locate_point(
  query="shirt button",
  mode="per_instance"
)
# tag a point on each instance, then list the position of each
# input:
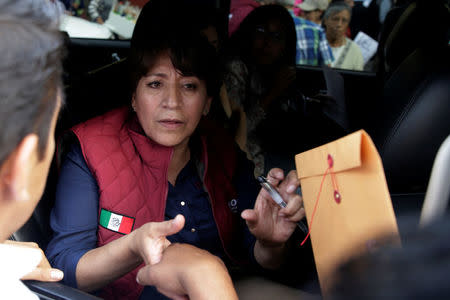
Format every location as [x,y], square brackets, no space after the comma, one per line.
[192,229]
[183,203]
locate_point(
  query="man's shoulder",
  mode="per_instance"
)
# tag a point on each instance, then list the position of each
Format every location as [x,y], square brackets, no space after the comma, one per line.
[301,23]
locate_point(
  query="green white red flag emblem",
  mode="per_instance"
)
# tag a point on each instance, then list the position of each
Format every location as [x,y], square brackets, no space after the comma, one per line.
[116,222]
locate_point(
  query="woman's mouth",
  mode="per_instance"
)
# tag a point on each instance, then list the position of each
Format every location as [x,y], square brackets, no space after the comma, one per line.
[171,123]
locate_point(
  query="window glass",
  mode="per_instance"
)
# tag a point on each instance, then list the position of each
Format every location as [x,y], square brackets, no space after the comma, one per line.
[339,33]
[100,19]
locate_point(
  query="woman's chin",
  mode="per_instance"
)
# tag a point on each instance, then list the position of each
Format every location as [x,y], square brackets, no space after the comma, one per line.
[171,142]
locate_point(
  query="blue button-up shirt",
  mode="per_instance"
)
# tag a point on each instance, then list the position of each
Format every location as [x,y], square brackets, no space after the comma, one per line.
[74,218]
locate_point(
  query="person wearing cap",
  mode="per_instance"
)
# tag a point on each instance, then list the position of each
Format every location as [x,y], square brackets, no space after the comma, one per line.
[239,9]
[312,10]
[312,45]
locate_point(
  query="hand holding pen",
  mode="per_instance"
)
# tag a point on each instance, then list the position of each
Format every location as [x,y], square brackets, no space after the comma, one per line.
[267,222]
[279,200]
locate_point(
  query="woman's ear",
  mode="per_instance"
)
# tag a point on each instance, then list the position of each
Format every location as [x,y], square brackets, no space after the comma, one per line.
[16,171]
[207,106]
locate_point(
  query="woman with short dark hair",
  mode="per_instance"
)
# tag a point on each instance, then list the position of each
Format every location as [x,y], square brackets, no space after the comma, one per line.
[157,159]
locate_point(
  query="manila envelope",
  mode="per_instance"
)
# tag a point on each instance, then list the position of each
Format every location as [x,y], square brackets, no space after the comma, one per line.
[350,225]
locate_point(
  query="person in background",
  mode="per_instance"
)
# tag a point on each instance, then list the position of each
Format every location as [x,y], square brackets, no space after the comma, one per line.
[158,163]
[99,10]
[346,53]
[224,111]
[75,8]
[30,91]
[260,68]
[312,44]
[312,10]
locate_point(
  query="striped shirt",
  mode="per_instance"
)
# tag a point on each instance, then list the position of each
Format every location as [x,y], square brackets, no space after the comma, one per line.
[312,45]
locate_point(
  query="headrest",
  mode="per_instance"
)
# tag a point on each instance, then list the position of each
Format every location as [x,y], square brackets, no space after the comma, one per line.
[413,118]
[423,24]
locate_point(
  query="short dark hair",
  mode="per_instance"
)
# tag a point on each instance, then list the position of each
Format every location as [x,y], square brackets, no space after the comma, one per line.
[337,7]
[240,41]
[160,29]
[30,71]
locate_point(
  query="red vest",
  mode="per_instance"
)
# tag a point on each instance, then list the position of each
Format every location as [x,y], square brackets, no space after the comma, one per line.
[131,172]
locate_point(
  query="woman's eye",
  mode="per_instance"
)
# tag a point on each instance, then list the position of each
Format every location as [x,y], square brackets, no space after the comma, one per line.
[154,84]
[190,86]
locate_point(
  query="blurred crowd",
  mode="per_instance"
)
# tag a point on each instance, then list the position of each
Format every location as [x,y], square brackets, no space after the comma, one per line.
[98,10]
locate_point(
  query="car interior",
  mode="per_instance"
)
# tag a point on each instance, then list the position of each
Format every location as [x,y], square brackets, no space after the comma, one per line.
[403,105]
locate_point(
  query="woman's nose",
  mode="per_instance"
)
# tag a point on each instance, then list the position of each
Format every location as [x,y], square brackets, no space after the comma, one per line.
[172,97]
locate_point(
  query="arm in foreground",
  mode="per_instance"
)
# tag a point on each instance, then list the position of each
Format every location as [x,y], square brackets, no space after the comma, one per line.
[102,265]
[187,272]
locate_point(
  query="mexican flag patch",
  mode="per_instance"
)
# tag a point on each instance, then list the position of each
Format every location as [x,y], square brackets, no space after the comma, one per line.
[116,222]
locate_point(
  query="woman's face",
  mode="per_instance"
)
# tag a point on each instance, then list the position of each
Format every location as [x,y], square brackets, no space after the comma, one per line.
[170,105]
[336,24]
[269,43]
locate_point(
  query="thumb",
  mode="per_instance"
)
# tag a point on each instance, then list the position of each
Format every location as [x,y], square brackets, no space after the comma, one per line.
[169,227]
[157,243]
[250,216]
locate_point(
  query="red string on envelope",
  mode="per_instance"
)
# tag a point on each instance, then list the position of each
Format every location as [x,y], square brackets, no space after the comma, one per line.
[337,195]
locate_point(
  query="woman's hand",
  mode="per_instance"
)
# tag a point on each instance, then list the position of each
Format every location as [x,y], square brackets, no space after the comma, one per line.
[187,272]
[102,265]
[269,223]
[149,241]
[43,271]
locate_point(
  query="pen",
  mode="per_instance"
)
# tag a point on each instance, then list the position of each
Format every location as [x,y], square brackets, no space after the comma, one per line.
[278,199]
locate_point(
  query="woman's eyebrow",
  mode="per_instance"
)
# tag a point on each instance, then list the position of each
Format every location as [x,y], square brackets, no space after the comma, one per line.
[157,75]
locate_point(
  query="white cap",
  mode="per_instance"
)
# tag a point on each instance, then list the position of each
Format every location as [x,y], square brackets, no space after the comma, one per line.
[310,5]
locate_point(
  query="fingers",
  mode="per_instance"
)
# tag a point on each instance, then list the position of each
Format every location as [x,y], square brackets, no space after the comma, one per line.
[294,211]
[44,274]
[286,185]
[151,275]
[274,176]
[290,184]
[145,276]
[44,261]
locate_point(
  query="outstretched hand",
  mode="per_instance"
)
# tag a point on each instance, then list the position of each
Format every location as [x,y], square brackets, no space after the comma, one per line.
[187,272]
[43,271]
[268,222]
[149,241]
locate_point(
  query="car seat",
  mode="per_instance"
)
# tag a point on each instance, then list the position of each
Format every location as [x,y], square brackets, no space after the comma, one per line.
[411,119]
